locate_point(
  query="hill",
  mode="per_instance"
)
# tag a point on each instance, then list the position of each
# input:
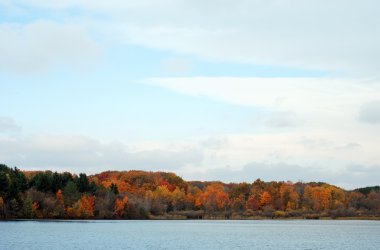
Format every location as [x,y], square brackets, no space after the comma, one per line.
[142,195]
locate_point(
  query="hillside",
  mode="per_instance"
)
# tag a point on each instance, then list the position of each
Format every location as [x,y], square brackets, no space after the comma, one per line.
[142,195]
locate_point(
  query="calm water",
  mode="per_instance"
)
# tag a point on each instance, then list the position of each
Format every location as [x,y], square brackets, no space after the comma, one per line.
[294,234]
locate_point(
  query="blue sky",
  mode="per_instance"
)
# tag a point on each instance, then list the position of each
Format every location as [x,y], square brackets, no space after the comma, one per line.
[236,93]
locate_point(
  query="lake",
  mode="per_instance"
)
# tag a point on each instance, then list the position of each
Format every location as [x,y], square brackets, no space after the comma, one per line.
[190,234]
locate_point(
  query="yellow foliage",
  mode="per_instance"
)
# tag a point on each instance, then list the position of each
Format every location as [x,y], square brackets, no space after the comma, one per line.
[265,199]
[120,206]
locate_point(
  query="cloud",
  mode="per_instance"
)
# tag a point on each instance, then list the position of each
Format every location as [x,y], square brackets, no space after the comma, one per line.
[7,124]
[177,66]
[315,143]
[42,45]
[229,158]
[266,33]
[215,142]
[327,35]
[320,113]
[364,170]
[282,120]
[310,102]
[348,146]
[350,177]
[268,172]
[273,92]
[318,117]
[79,153]
[370,112]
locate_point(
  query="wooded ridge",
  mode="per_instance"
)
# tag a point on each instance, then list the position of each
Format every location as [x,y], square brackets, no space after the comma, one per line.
[153,195]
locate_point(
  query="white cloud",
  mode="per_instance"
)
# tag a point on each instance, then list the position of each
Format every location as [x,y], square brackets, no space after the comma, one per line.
[7,124]
[79,153]
[235,157]
[318,116]
[322,102]
[328,138]
[284,119]
[290,148]
[216,142]
[350,177]
[329,35]
[370,112]
[350,145]
[176,65]
[41,45]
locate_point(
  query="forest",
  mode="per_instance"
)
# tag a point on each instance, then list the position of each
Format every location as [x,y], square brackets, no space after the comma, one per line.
[159,195]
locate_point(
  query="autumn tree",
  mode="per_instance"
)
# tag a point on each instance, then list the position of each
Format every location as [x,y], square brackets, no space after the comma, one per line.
[193,199]
[59,196]
[215,198]
[1,206]
[178,199]
[238,203]
[253,203]
[161,200]
[240,190]
[289,196]
[104,204]
[265,199]
[85,207]
[258,187]
[120,206]
[139,194]
[355,199]
[338,198]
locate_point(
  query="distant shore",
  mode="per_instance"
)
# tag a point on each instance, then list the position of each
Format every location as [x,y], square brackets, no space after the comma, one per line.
[372,218]
[137,194]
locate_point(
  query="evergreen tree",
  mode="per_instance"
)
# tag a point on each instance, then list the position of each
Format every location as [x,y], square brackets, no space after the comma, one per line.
[82,183]
[4,184]
[71,194]
[114,189]
[56,182]
[42,182]
[21,179]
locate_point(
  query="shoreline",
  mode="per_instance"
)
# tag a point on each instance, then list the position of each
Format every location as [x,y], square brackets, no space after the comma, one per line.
[364,218]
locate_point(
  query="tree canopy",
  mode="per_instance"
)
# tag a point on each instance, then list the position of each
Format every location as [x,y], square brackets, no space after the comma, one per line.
[142,195]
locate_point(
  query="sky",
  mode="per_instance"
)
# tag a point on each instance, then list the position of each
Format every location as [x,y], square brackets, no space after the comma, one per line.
[210,90]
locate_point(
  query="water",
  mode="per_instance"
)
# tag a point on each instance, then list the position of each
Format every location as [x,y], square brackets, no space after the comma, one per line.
[267,234]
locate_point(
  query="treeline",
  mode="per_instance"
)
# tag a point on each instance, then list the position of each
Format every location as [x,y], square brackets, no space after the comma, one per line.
[144,195]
